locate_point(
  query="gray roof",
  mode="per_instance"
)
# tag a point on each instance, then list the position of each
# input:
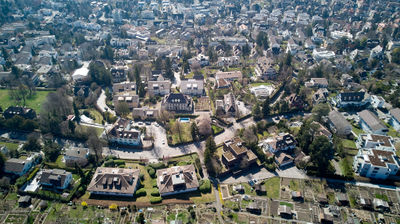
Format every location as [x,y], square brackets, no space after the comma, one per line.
[371,120]
[338,120]
[55,177]
[14,165]
[77,152]
[395,113]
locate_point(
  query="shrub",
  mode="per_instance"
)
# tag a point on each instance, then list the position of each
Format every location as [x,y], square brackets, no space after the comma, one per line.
[32,175]
[205,186]
[109,163]
[141,176]
[119,162]
[84,204]
[151,172]
[154,183]
[141,192]
[113,207]
[155,200]
[157,166]
[121,166]
[20,181]
[155,192]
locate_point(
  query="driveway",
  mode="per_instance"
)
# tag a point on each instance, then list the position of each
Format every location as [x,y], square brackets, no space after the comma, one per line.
[101,102]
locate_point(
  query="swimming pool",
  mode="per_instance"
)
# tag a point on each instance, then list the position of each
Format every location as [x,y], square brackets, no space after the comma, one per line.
[184,119]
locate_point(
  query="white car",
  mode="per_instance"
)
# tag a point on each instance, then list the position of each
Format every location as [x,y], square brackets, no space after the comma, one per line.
[163,141]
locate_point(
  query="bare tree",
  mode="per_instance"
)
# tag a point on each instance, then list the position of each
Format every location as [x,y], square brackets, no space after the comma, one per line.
[164,116]
[178,129]
[122,109]
[95,144]
[205,126]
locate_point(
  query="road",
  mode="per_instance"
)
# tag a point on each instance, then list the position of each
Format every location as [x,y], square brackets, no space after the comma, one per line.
[101,102]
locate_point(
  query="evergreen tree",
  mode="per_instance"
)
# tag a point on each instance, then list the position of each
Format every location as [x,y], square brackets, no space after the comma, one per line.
[266,108]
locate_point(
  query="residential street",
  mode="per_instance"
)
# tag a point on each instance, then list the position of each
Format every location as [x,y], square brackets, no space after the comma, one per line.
[101,102]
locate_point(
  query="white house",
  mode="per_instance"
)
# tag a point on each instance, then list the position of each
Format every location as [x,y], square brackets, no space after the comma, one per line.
[377,164]
[124,133]
[395,119]
[370,123]
[192,87]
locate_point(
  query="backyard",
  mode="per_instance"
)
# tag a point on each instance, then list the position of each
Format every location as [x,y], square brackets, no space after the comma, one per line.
[34,102]
[273,187]
[179,132]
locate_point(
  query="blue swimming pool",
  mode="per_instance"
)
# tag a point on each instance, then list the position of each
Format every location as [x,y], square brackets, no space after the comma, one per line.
[184,119]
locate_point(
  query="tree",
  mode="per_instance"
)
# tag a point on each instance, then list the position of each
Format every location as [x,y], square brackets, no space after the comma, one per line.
[122,109]
[51,150]
[32,144]
[320,110]
[178,129]
[140,218]
[396,55]
[164,116]
[250,135]
[321,152]
[108,53]
[266,108]
[95,145]
[210,144]
[2,161]
[246,50]
[194,130]
[257,114]
[99,74]
[76,112]
[205,126]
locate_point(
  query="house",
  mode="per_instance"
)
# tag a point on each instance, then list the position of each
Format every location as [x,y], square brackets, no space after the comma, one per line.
[124,133]
[124,87]
[341,199]
[395,119]
[372,141]
[192,87]
[24,201]
[20,167]
[260,189]
[283,160]
[285,211]
[317,82]
[222,84]
[320,96]
[321,54]
[229,104]
[376,164]
[338,123]
[114,181]
[229,76]
[297,196]
[254,207]
[129,97]
[24,112]
[377,102]
[236,155]
[350,99]
[177,180]
[370,123]
[160,87]
[366,203]
[262,91]
[281,142]
[55,179]
[77,156]
[228,61]
[322,130]
[145,113]
[200,59]
[294,101]
[264,69]
[238,188]
[178,102]
[381,205]
[292,47]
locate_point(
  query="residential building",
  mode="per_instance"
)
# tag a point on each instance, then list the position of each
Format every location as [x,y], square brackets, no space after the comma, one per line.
[262,91]
[317,82]
[124,87]
[236,155]
[228,61]
[192,87]
[372,141]
[284,160]
[350,99]
[377,101]
[200,59]
[320,54]
[279,143]
[322,130]
[55,179]
[145,113]
[20,167]
[228,106]
[124,133]
[338,123]
[24,112]
[264,69]
[370,123]
[292,47]
[178,102]
[129,97]
[374,163]
[160,87]
[229,76]
[395,119]
[114,181]
[320,96]
[77,156]
[177,180]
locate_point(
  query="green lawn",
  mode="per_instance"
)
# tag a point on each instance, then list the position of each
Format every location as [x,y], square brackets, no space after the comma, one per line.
[349,144]
[273,187]
[216,129]
[357,131]
[260,83]
[83,129]
[98,118]
[294,185]
[9,145]
[382,197]
[346,166]
[182,136]
[35,102]
[287,204]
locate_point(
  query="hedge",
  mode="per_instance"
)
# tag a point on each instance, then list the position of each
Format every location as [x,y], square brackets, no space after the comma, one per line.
[141,192]
[155,192]
[119,162]
[151,172]
[157,166]
[155,200]
[32,175]
[205,186]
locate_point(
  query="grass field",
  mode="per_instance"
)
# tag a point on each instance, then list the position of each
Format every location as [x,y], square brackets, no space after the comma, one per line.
[260,83]
[349,144]
[357,131]
[185,136]
[273,187]
[9,145]
[216,129]
[35,102]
